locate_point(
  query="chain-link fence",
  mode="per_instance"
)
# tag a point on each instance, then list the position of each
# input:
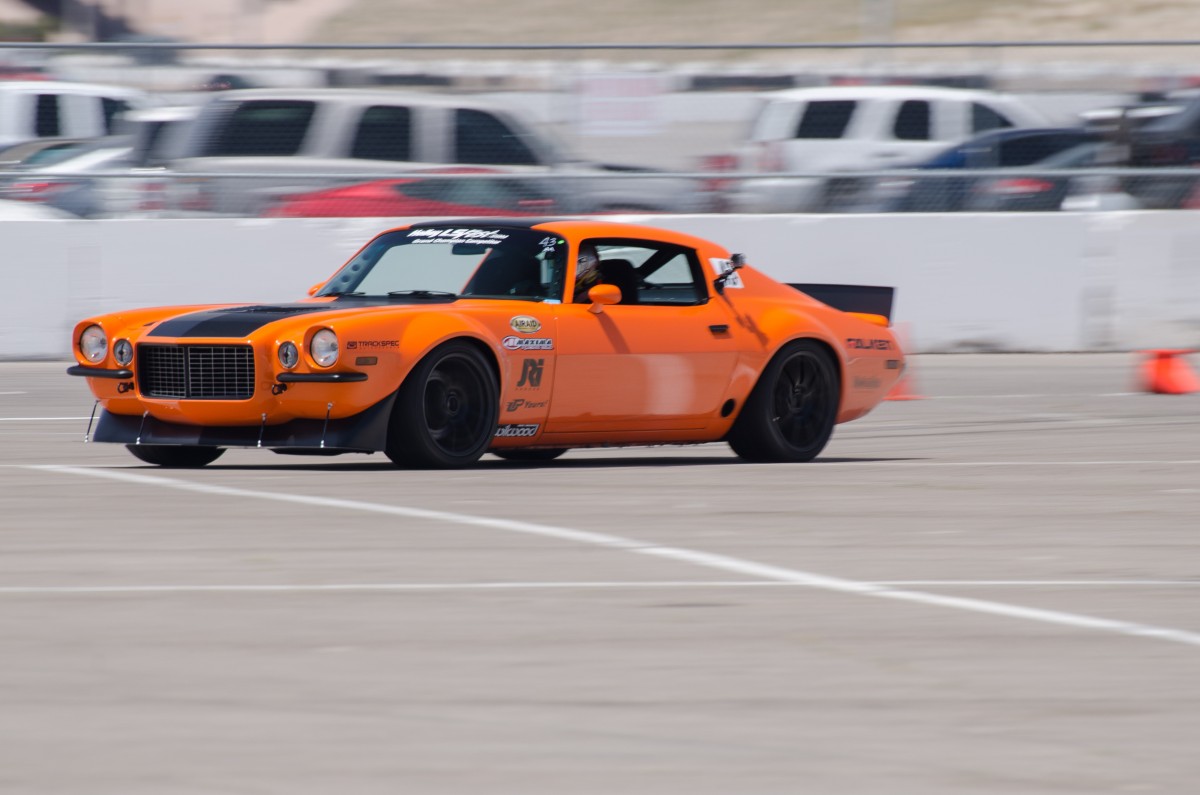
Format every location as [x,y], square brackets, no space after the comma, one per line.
[168,129]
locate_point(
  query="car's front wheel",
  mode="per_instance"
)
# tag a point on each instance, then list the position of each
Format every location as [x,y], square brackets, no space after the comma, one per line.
[791,412]
[446,410]
[175,456]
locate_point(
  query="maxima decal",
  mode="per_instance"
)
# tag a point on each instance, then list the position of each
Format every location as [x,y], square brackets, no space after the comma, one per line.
[524,324]
[510,431]
[528,344]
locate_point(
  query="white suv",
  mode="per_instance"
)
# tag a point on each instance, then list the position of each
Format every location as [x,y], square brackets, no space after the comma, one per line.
[857,128]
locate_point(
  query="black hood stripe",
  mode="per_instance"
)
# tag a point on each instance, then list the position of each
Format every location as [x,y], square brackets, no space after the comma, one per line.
[233,322]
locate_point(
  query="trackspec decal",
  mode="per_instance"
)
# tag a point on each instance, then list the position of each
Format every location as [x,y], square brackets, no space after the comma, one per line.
[352,344]
[867,382]
[528,343]
[524,324]
[522,403]
[871,345]
[531,373]
[512,431]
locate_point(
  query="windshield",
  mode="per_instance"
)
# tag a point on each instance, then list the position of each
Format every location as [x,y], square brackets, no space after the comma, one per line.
[476,261]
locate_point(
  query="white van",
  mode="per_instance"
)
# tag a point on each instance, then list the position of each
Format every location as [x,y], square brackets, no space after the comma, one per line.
[34,109]
[836,129]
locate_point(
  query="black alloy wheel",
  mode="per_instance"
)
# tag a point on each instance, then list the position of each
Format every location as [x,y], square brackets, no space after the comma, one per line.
[446,410]
[790,415]
[175,456]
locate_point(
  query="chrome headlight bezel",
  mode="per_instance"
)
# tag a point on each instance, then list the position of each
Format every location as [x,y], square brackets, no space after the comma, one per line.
[123,352]
[93,344]
[288,355]
[323,348]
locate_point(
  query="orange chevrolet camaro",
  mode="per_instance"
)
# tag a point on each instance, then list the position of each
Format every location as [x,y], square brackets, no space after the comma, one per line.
[441,341]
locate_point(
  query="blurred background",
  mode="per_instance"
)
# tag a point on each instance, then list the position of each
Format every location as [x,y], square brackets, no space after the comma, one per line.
[375,108]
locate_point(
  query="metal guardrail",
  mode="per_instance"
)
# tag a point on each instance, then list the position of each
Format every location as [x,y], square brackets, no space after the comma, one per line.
[362,176]
[514,46]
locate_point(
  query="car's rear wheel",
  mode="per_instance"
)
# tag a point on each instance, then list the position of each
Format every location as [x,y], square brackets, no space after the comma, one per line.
[791,412]
[543,454]
[175,456]
[446,410]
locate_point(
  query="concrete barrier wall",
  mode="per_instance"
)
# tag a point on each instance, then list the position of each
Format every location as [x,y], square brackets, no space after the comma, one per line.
[996,282]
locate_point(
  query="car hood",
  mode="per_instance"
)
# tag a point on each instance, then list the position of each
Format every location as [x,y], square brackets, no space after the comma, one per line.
[241,321]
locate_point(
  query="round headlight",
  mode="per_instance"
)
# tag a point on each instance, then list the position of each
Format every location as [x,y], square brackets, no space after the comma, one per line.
[289,355]
[93,344]
[324,348]
[123,352]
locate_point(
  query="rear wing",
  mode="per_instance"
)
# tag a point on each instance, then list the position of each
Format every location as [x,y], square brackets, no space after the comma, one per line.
[859,299]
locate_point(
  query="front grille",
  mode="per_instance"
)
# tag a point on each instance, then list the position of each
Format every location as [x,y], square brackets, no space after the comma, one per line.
[196,372]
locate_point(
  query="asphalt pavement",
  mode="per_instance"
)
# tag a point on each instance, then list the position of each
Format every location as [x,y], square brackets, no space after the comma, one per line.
[993,589]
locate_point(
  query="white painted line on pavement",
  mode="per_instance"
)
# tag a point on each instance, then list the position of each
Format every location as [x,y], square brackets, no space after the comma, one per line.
[698,558]
[39,419]
[398,587]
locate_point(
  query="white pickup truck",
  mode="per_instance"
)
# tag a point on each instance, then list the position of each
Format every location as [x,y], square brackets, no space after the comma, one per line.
[838,129]
[269,141]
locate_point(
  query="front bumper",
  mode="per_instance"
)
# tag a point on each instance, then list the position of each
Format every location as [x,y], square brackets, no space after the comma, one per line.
[364,432]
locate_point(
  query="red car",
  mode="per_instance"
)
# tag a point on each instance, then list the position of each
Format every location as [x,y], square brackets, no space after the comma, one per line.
[448,194]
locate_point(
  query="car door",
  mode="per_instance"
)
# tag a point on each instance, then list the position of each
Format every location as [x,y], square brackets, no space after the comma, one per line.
[660,360]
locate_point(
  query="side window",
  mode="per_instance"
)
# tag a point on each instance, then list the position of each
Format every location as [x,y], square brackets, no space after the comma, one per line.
[481,138]
[984,118]
[384,133]
[912,121]
[825,119]
[112,108]
[272,128]
[46,123]
[651,275]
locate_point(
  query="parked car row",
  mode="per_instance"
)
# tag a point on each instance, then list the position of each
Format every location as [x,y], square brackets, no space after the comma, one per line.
[342,152]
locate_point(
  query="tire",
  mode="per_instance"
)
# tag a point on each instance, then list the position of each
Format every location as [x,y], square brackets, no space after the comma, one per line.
[790,415]
[544,454]
[446,410]
[175,457]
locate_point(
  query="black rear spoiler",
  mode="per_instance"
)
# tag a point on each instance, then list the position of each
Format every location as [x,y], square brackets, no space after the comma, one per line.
[852,297]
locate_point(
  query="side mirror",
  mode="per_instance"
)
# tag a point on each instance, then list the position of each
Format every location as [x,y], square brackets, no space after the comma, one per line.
[313,290]
[736,261]
[603,295]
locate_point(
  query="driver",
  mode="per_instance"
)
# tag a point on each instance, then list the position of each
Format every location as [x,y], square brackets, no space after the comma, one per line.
[587,271]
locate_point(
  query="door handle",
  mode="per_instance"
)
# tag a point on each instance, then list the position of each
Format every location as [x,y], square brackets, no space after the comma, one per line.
[719,328]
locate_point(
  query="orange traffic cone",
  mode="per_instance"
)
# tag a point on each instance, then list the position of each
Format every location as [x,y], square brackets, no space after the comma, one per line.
[905,388]
[1165,373]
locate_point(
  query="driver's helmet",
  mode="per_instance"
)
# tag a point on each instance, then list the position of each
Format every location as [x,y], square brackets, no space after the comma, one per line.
[587,270]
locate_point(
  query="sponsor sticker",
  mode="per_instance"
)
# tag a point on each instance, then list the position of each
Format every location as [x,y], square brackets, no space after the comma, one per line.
[516,431]
[868,345]
[524,324]
[528,343]
[483,237]
[867,382]
[354,344]
[531,373]
[721,266]
[522,403]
